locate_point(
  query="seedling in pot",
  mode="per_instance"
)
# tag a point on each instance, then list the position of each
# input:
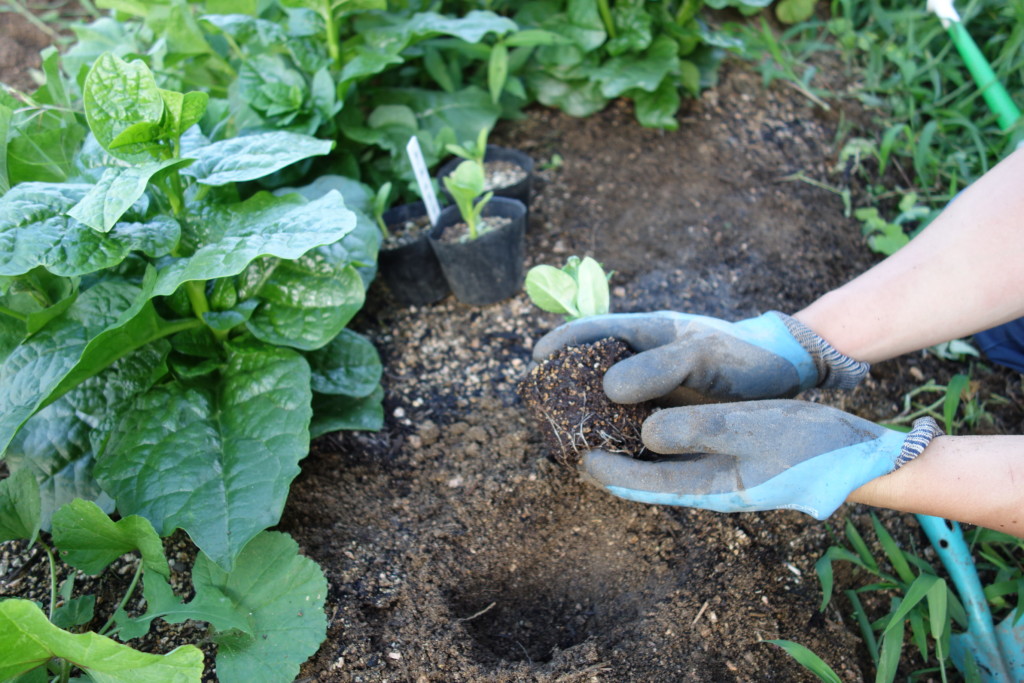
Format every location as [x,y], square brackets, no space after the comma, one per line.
[380,205]
[466,184]
[565,393]
[470,151]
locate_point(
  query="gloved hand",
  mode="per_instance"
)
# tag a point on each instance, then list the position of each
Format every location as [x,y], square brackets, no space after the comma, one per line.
[761,455]
[770,356]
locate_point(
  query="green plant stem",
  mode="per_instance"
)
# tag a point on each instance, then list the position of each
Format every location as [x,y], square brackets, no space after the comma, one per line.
[124,600]
[606,17]
[53,579]
[195,289]
[13,314]
[331,27]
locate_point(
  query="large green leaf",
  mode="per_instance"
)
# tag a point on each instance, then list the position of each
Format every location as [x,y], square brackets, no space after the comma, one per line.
[349,365]
[645,72]
[472,27]
[28,640]
[334,412]
[89,540]
[57,445]
[263,225]
[215,461]
[306,302]
[34,370]
[19,507]
[284,594]
[35,230]
[118,95]
[252,156]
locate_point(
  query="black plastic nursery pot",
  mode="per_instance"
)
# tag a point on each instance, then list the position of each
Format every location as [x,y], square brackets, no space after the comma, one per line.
[412,272]
[490,268]
[521,190]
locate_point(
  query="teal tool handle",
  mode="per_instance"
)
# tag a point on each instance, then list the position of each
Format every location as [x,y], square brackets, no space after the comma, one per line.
[996,96]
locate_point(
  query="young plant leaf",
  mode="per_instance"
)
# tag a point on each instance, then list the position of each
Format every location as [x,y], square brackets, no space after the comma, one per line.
[28,640]
[115,193]
[19,507]
[89,540]
[215,461]
[810,661]
[283,592]
[593,297]
[552,289]
[915,593]
[118,95]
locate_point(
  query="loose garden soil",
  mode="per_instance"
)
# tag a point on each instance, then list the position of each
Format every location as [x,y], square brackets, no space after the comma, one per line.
[457,550]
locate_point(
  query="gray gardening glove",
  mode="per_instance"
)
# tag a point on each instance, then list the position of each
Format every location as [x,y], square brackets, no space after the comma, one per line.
[770,356]
[758,455]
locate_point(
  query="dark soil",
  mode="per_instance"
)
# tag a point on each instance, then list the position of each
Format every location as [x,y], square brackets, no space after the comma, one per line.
[407,232]
[456,550]
[566,398]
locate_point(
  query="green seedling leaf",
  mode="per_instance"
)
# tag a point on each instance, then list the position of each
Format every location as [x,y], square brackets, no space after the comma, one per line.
[918,590]
[118,95]
[252,156]
[284,594]
[810,661]
[593,297]
[89,540]
[858,544]
[214,460]
[348,366]
[36,230]
[115,193]
[306,302]
[890,650]
[892,551]
[74,611]
[28,640]
[823,568]
[552,290]
[497,71]
[335,413]
[19,507]
[954,394]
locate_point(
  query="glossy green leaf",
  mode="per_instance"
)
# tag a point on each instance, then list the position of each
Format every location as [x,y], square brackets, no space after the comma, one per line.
[115,193]
[552,289]
[118,95]
[306,303]
[263,225]
[658,109]
[645,72]
[335,413]
[284,593]
[577,97]
[252,156]
[89,540]
[810,661]
[35,230]
[161,602]
[57,445]
[28,640]
[215,461]
[19,507]
[348,365]
[497,71]
[471,27]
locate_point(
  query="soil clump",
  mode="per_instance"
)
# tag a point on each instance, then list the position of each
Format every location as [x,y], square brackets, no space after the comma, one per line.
[565,395]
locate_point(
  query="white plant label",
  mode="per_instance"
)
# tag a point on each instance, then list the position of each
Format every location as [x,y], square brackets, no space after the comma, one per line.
[419,168]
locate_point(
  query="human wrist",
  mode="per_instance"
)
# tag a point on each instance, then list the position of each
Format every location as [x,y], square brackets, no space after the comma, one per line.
[836,370]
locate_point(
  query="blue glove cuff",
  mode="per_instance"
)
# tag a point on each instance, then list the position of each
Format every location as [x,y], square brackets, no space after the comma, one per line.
[835,370]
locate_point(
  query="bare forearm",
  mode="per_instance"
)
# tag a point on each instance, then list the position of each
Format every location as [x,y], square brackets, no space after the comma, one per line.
[974,479]
[962,274]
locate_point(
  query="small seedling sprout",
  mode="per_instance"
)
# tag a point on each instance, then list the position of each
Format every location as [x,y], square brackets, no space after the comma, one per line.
[578,289]
[465,184]
[380,205]
[471,151]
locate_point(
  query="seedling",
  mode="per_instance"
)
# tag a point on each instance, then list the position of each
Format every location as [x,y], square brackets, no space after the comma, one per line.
[576,290]
[466,184]
[470,151]
[380,205]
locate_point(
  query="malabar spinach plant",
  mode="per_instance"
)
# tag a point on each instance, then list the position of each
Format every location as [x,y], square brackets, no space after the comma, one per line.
[578,289]
[466,185]
[167,345]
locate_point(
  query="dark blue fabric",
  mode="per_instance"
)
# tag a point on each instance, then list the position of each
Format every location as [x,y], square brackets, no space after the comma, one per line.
[1004,344]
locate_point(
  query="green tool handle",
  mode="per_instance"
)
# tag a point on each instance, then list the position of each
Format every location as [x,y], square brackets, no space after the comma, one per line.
[996,97]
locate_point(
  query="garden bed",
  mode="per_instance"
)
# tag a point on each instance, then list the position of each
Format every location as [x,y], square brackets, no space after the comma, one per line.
[456,550]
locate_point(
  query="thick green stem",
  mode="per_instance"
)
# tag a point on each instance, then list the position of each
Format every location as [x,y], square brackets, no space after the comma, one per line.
[201,305]
[333,48]
[606,17]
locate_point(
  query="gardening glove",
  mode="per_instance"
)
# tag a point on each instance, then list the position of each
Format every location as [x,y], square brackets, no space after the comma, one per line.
[770,356]
[760,455]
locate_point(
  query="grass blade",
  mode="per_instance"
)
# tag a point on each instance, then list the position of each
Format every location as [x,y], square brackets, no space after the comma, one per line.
[807,659]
